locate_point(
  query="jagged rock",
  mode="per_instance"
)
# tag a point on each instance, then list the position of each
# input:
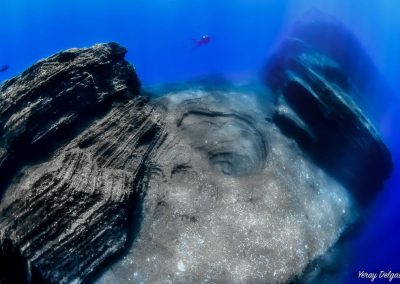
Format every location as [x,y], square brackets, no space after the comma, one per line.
[65,216]
[316,93]
[55,98]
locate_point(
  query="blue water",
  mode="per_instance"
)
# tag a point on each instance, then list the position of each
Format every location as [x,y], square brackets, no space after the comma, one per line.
[159,35]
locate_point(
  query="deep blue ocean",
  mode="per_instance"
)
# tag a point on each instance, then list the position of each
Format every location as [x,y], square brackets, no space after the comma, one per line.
[160,35]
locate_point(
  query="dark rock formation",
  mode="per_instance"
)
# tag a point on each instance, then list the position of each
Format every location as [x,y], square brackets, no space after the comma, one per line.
[55,98]
[327,35]
[316,87]
[64,217]
[72,212]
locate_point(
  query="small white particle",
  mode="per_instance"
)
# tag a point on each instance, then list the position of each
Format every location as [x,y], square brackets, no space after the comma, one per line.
[181,266]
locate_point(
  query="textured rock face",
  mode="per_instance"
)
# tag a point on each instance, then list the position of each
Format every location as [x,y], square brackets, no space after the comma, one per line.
[57,96]
[69,214]
[65,216]
[201,184]
[232,200]
[328,36]
[315,97]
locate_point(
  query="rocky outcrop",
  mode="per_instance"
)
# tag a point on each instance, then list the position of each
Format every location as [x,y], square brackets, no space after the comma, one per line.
[329,36]
[64,217]
[56,98]
[316,93]
[68,215]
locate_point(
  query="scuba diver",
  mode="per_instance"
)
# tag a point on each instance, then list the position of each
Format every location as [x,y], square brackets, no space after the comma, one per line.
[205,39]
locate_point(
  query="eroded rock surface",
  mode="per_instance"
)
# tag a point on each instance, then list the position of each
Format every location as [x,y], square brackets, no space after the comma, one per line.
[232,200]
[57,97]
[67,215]
[316,94]
[327,35]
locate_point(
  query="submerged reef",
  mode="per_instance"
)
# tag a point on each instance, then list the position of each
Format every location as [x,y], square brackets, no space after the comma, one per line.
[197,183]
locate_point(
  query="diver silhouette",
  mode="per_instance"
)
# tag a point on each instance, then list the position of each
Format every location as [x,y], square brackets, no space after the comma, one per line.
[4,68]
[205,39]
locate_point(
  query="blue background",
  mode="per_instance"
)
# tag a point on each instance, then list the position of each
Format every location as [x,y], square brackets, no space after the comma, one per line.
[159,35]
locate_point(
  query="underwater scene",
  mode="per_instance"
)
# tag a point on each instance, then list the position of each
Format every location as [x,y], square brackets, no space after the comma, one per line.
[171,141]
